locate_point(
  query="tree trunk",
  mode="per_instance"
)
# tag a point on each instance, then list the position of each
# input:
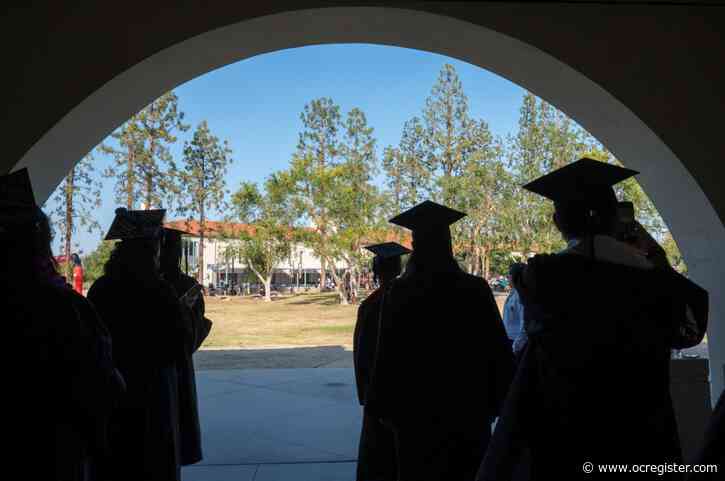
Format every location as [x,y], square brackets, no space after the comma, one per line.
[323,273]
[484,262]
[69,190]
[130,177]
[149,190]
[339,287]
[268,289]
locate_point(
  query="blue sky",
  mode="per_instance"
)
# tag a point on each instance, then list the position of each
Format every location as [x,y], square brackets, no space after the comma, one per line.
[255,104]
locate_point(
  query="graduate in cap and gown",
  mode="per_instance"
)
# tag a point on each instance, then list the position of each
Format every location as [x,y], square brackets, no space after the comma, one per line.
[151,337]
[191,299]
[63,377]
[593,384]
[376,451]
[444,362]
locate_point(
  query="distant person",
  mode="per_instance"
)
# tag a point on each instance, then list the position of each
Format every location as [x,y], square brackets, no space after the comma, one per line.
[376,451]
[593,384]
[444,363]
[61,376]
[513,311]
[151,338]
[77,273]
[192,304]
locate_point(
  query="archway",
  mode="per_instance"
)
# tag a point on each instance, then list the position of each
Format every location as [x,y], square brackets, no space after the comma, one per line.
[670,185]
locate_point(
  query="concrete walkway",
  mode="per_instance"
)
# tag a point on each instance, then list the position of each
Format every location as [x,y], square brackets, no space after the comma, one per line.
[277,424]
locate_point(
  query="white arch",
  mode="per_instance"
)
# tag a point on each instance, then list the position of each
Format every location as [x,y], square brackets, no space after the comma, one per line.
[664,177]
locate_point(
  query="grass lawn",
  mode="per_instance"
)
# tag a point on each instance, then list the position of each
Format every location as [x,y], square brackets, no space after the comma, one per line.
[314,319]
[301,320]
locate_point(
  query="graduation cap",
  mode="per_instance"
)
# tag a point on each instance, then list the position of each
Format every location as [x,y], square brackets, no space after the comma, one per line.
[16,189]
[386,250]
[427,216]
[136,224]
[17,202]
[587,181]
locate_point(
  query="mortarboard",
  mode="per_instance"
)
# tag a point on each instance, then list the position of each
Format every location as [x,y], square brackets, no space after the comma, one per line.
[586,181]
[387,250]
[136,224]
[17,202]
[427,215]
[16,189]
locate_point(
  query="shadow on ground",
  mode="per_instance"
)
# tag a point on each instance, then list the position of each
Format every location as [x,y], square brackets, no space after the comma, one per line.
[274,358]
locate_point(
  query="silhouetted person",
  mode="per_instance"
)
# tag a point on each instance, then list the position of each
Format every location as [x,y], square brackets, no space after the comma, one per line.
[593,384]
[192,304]
[444,361]
[376,452]
[151,337]
[62,378]
[513,311]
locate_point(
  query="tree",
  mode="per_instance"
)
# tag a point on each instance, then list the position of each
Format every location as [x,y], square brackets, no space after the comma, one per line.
[359,205]
[205,163]
[94,263]
[156,126]
[408,173]
[268,241]
[448,128]
[125,163]
[143,167]
[76,198]
[546,140]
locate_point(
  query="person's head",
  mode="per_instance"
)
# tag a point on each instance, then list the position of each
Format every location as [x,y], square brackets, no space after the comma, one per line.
[578,220]
[515,270]
[76,260]
[386,269]
[171,252]
[583,195]
[432,245]
[134,259]
[430,224]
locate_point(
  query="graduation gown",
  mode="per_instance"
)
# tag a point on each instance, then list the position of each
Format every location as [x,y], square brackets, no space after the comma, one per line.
[713,449]
[444,365]
[376,451]
[189,426]
[593,383]
[151,336]
[62,382]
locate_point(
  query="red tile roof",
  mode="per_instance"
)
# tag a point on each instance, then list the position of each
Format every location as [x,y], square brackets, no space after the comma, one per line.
[214,228]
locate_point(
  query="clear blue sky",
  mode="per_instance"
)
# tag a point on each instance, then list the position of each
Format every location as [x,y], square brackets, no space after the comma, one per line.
[255,104]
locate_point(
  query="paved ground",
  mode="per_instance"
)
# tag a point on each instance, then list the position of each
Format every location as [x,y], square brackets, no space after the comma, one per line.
[277,424]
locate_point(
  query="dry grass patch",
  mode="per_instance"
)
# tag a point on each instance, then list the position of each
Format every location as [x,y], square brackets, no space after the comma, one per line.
[301,320]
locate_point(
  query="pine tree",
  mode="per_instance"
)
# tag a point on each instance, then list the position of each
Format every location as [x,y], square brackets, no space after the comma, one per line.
[77,199]
[143,167]
[205,163]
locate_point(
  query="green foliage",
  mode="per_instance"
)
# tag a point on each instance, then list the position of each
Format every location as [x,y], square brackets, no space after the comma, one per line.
[143,167]
[268,242]
[205,163]
[77,198]
[94,262]
[329,185]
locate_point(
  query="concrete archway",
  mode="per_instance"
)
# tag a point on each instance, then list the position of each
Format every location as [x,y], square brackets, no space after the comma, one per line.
[669,183]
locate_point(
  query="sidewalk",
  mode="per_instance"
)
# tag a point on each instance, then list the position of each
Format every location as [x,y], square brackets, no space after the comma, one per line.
[277,424]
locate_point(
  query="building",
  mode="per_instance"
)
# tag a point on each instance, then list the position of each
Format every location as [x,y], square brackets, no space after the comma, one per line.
[223,268]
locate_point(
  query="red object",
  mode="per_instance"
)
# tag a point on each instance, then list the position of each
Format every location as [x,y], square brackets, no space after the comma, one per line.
[78,279]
